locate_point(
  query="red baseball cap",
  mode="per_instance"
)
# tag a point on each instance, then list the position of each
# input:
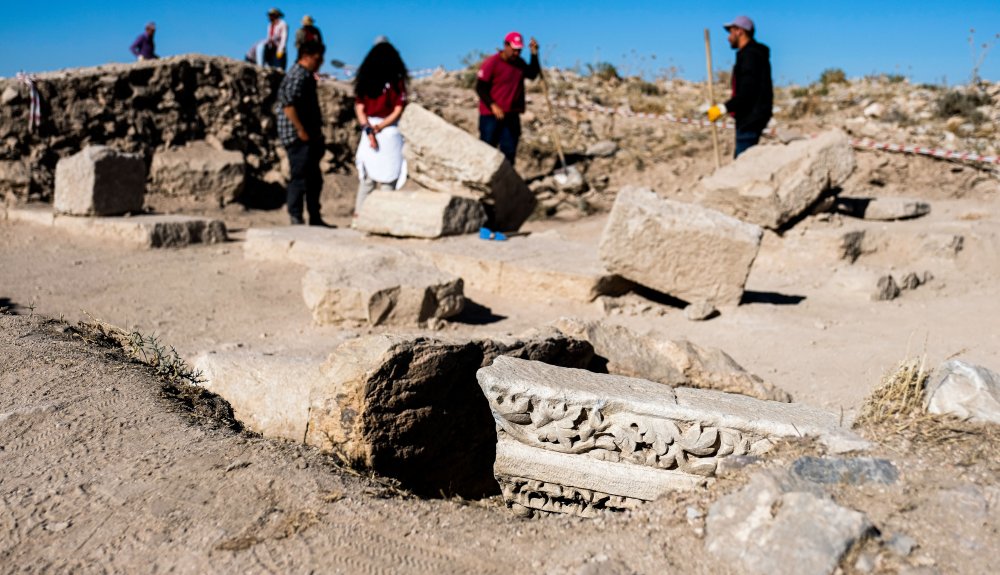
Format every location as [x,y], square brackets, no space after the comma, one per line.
[515,40]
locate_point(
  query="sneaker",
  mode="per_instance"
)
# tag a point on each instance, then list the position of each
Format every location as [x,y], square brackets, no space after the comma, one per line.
[488,234]
[297,221]
[320,223]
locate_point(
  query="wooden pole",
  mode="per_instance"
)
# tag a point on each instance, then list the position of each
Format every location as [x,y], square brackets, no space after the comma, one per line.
[711,99]
[552,118]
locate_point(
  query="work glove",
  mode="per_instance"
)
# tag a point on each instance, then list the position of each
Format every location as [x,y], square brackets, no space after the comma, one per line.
[716,112]
[281,55]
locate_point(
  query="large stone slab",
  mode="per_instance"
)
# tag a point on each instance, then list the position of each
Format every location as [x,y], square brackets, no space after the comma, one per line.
[537,266]
[770,185]
[685,250]
[100,181]
[384,290]
[145,231]
[149,231]
[409,407]
[419,214]
[678,363]
[964,390]
[775,525]
[444,158]
[683,433]
[269,393]
[198,169]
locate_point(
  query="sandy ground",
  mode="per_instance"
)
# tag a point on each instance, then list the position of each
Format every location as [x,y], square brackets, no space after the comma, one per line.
[106,468]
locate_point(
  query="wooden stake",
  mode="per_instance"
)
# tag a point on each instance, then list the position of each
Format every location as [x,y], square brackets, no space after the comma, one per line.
[552,118]
[711,99]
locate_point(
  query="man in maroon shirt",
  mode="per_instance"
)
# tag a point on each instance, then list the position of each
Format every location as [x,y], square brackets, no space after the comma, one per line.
[500,86]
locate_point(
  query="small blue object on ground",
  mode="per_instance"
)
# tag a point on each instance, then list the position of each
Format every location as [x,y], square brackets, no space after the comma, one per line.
[488,234]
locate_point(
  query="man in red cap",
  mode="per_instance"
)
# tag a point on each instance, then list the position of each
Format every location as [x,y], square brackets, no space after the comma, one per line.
[753,92]
[500,86]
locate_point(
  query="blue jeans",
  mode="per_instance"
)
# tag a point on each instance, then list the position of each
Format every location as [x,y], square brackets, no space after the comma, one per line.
[501,133]
[744,141]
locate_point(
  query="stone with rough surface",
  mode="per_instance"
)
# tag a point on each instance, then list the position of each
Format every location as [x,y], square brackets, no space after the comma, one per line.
[419,214]
[776,526]
[540,265]
[14,177]
[269,393]
[444,158]
[100,181]
[852,471]
[771,185]
[674,362]
[685,250]
[198,169]
[383,290]
[965,390]
[409,407]
[584,442]
[147,231]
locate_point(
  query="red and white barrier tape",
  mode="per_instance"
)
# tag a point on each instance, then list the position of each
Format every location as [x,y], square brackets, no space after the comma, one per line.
[867,144]
[35,114]
[863,143]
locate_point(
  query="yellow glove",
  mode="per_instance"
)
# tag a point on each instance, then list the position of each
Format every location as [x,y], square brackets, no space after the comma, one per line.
[716,112]
[281,55]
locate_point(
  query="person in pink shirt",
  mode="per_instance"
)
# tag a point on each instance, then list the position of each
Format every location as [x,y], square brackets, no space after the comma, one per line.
[500,86]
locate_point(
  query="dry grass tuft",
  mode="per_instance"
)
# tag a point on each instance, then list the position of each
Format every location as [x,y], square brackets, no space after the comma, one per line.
[900,397]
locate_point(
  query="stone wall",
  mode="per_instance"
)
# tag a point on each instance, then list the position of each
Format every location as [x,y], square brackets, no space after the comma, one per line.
[146,106]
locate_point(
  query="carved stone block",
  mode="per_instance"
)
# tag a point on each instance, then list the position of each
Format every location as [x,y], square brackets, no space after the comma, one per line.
[571,431]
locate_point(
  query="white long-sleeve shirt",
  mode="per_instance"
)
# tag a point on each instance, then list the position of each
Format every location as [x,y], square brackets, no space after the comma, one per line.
[277,35]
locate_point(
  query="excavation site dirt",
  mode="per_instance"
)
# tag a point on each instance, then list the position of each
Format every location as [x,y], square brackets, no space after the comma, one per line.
[623,361]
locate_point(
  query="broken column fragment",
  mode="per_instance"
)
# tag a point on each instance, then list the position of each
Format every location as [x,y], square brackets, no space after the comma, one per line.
[100,181]
[685,250]
[771,185]
[410,408]
[444,158]
[585,442]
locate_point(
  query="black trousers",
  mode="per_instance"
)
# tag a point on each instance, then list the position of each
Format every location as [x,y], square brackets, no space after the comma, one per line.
[307,179]
[503,134]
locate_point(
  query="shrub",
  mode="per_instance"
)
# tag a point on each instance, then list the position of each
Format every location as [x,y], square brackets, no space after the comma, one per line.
[472,61]
[641,87]
[604,71]
[832,76]
[964,104]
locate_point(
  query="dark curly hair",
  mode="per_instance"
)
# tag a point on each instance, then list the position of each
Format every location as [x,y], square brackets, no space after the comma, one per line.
[383,65]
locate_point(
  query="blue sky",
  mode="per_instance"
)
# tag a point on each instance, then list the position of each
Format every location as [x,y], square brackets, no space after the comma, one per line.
[926,41]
